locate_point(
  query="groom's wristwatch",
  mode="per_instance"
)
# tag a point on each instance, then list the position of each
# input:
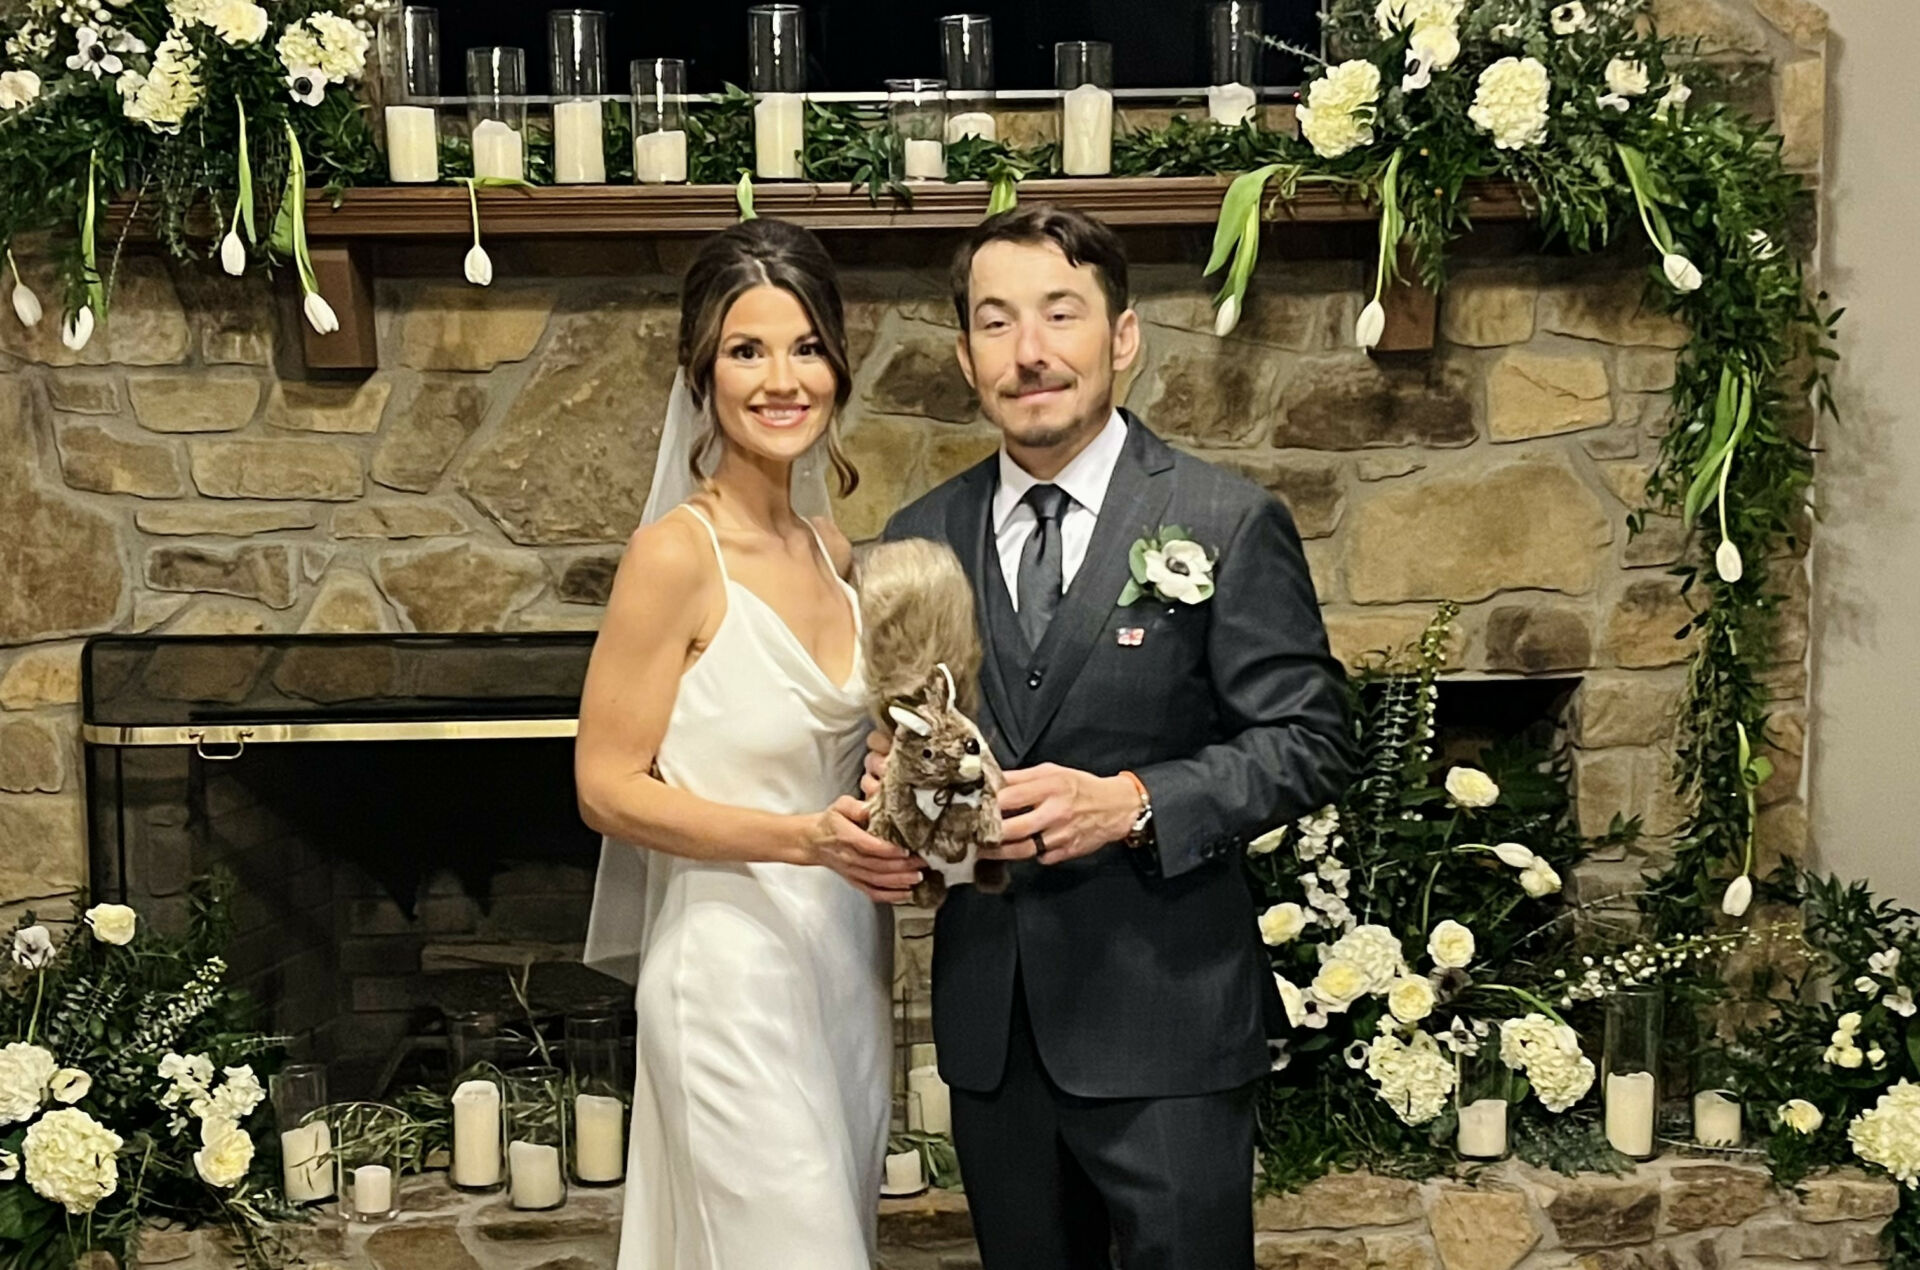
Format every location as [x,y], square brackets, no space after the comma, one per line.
[1141,834]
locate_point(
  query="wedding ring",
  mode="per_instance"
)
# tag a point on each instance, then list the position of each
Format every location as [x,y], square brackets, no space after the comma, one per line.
[1039,846]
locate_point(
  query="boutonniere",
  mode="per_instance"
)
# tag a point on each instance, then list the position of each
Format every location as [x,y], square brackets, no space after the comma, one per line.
[1169,565]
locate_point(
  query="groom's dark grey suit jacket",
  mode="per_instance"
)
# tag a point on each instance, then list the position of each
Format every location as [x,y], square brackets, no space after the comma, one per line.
[1143,969]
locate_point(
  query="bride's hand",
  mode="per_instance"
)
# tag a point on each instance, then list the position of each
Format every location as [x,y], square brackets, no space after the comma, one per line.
[837,838]
[879,745]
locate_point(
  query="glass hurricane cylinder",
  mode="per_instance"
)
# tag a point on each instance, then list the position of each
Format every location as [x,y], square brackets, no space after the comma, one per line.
[777,74]
[596,1044]
[299,1095]
[473,1044]
[497,112]
[412,127]
[577,55]
[918,110]
[1631,1065]
[966,53]
[368,1137]
[537,1132]
[1233,48]
[1480,1097]
[1083,72]
[659,120]
[1716,1104]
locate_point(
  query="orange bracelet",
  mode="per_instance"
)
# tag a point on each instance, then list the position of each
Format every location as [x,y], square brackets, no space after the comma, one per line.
[1138,834]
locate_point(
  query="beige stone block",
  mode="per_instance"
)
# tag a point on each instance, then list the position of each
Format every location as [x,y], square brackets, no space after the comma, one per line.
[1644,628]
[150,611]
[1518,526]
[462,587]
[219,520]
[587,579]
[1788,1240]
[1211,394]
[1591,1211]
[420,440]
[1844,1195]
[83,394]
[254,572]
[221,617]
[1294,305]
[1644,370]
[1628,481]
[1323,565]
[1308,1252]
[1662,540]
[94,459]
[886,452]
[61,561]
[43,846]
[234,318]
[1386,467]
[398,520]
[347,602]
[1535,638]
[1536,395]
[45,676]
[1477,1229]
[1486,308]
[328,407]
[949,452]
[921,376]
[1800,111]
[147,325]
[1358,638]
[1353,403]
[326,471]
[1780,833]
[1614,443]
[1341,1201]
[1801,21]
[572,460]
[1631,709]
[469,328]
[1612,309]
[195,402]
[1400,1252]
[32,758]
[1699,1196]
[1719,27]
[1627,781]
[1314,491]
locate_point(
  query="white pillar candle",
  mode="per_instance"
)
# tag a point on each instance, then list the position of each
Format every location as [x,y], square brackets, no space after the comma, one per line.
[306,1162]
[373,1190]
[971,123]
[476,1134]
[499,151]
[1086,136]
[534,1171]
[926,160]
[1483,1129]
[413,144]
[779,123]
[579,150]
[599,1130]
[904,1174]
[925,1087]
[1630,1113]
[660,158]
[1231,104]
[1716,1119]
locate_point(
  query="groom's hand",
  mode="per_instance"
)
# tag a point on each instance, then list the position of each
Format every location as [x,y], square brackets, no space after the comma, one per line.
[1056,813]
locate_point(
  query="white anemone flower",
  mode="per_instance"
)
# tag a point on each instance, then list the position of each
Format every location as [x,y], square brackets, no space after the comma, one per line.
[92,55]
[307,85]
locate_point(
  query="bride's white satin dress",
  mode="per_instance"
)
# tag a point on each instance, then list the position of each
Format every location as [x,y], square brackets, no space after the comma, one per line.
[761,1105]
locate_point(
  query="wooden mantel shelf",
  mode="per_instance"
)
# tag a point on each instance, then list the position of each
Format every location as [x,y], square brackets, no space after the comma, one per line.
[413,212]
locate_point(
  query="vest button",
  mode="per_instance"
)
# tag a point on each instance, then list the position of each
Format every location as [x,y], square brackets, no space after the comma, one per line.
[1033,680]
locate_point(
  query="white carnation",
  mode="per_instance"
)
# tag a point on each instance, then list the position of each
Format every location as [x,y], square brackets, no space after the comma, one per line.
[1549,1054]
[298,48]
[1415,1079]
[1416,15]
[1338,113]
[1511,102]
[238,21]
[343,46]
[25,1072]
[1889,1133]
[166,94]
[1374,950]
[71,1159]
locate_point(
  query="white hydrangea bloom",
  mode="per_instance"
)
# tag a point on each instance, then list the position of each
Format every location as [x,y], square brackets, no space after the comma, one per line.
[1375,950]
[1338,114]
[25,1072]
[71,1159]
[1888,1134]
[1511,102]
[1414,1078]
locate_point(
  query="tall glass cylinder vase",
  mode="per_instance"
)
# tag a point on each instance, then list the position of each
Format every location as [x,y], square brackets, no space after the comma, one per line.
[1083,72]
[917,109]
[966,52]
[299,1095]
[368,1140]
[596,1046]
[659,120]
[577,55]
[1716,1103]
[537,1137]
[497,112]
[777,74]
[1234,47]
[473,1043]
[413,126]
[1480,1097]
[1636,1018]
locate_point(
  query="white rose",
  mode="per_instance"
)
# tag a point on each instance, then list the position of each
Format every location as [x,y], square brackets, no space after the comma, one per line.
[1801,1116]
[32,947]
[1410,998]
[18,88]
[1181,571]
[70,1085]
[1471,787]
[238,22]
[1282,924]
[1450,945]
[25,1071]
[1627,78]
[1339,984]
[1267,842]
[1539,879]
[112,923]
[1511,102]
[71,1159]
[1338,113]
[225,1154]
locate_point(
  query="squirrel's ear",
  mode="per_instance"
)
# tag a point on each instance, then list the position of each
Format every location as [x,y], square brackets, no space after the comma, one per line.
[910,721]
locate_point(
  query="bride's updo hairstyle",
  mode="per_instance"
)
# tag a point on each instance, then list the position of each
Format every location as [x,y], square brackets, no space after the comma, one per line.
[758,253]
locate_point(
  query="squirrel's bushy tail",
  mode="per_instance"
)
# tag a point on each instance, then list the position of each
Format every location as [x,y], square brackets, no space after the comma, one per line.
[916,609]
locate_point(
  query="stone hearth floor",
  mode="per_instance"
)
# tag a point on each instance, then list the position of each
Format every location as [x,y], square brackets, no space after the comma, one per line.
[1675,1213]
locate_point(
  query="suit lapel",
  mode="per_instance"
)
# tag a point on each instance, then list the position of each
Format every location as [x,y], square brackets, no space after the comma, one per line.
[1135,501]
[967,532]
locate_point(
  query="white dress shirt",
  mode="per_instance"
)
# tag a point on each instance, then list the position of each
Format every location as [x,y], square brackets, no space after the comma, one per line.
[1084,479]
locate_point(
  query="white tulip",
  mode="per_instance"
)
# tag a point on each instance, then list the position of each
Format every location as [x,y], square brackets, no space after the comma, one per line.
[1228,317]
[320,315]
[1763,246]
[26,305]
[78,329]
[1372,324]
[1681,272]
[479,266]
[1726,561]
[233,253]
[1539,879]
[1739,895]
[1512,853]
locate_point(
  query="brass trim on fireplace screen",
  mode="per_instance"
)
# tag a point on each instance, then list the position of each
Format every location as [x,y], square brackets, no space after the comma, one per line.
[242,735]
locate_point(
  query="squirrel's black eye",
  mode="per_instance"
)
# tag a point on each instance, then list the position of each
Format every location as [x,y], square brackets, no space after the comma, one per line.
[928,752]
[973,747]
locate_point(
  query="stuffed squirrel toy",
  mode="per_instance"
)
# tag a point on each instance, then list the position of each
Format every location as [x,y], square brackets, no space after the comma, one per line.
[922,651]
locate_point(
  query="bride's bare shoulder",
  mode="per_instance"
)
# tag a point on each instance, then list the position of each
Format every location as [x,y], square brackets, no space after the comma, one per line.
[839,549]
[666,564]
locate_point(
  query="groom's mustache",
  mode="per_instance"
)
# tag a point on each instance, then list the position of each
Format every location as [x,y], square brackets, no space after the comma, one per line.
[1026,383]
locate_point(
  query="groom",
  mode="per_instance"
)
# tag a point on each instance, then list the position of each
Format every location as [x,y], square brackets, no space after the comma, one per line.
[1100,1023]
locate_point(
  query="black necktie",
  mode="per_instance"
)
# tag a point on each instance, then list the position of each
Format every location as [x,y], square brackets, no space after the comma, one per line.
[1042,572]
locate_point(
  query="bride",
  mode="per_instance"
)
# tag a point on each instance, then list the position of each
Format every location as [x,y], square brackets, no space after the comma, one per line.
[723,711]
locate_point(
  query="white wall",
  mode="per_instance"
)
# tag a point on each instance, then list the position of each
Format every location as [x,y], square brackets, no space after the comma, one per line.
[1865,757]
